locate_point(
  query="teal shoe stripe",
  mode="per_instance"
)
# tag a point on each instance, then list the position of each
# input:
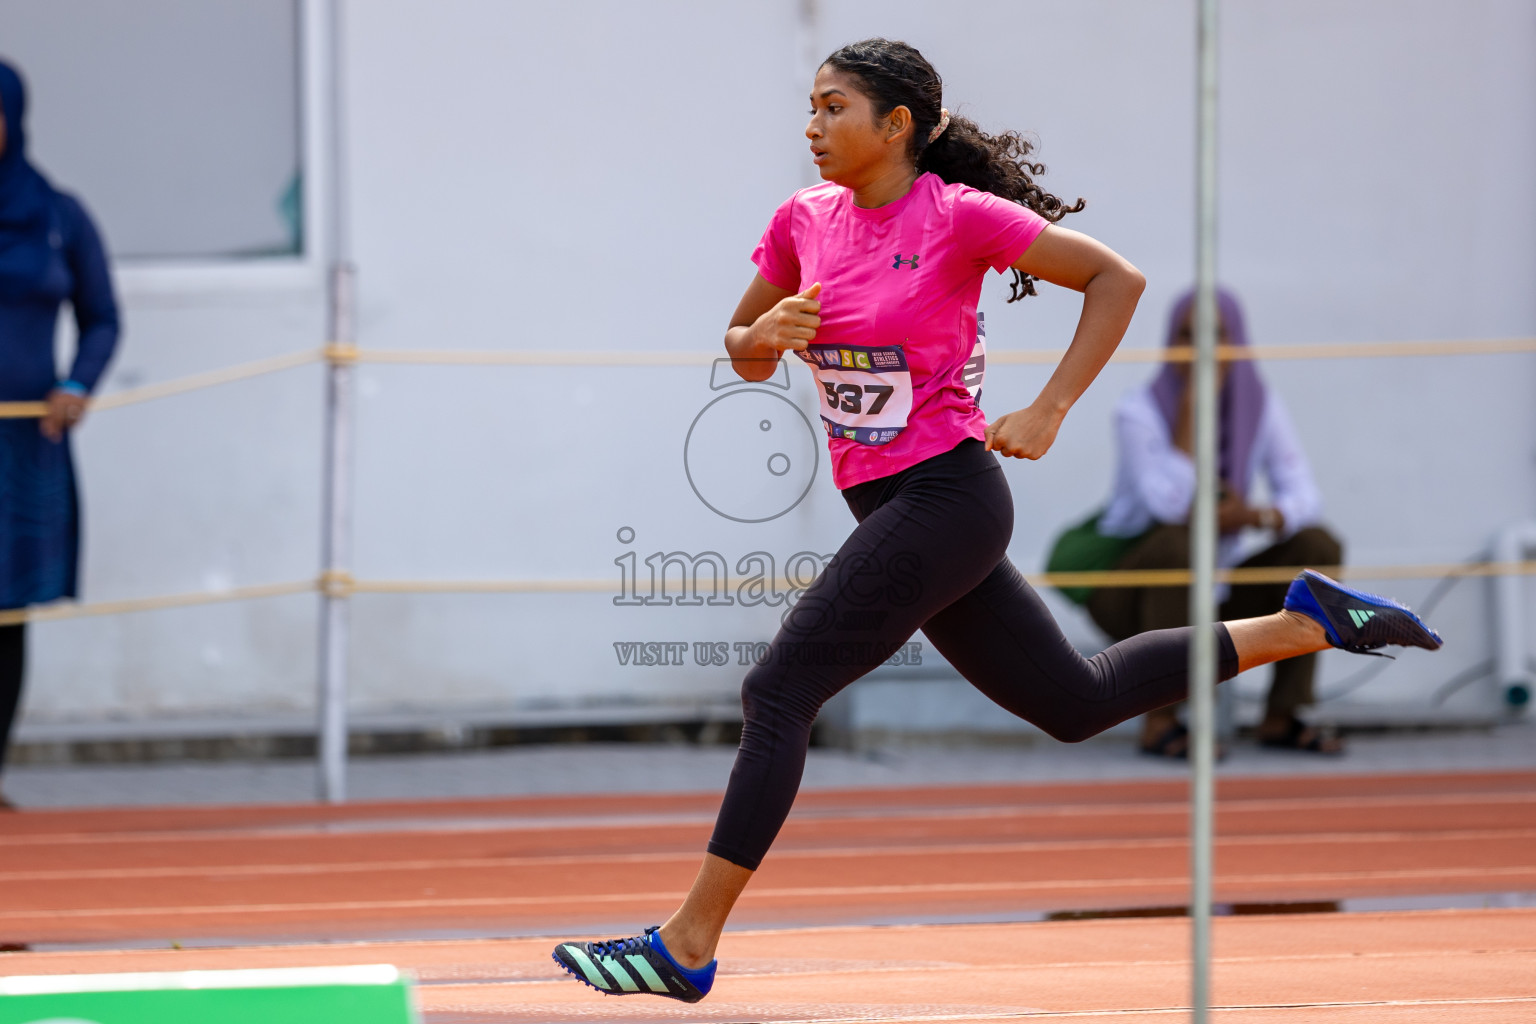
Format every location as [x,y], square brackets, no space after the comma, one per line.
[612,966]
[587,967]
[647,972]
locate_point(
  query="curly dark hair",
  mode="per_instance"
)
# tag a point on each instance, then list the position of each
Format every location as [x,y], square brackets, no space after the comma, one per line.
[893,75]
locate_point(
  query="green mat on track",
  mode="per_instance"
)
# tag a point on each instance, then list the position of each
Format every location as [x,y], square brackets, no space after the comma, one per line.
[374,994]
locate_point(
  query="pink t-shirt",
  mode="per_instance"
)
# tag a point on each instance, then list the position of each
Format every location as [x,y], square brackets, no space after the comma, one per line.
[899,287]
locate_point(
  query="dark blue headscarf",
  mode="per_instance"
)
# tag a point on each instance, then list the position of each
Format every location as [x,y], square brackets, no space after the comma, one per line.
[26,199]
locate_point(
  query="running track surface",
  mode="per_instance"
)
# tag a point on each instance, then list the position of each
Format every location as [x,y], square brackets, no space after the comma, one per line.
[846,862]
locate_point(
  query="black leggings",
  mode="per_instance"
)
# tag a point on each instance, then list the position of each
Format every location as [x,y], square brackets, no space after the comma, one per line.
[929,554]
[13,648]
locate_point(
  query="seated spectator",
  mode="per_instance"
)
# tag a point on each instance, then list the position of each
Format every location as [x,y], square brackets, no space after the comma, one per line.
[1153,491]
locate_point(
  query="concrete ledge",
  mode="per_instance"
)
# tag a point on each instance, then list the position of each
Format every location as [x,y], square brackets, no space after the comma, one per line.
[277,736]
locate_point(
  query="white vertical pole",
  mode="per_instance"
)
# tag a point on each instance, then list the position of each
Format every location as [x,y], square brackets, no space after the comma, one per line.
[336,541]
[336,513]
[1202,601]
[808,57]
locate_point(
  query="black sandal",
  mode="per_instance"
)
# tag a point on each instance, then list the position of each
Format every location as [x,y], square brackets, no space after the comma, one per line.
[1172,742]
[1305,738]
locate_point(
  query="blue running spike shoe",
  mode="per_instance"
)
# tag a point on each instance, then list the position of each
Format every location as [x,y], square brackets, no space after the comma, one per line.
[621,967]
[1354,620]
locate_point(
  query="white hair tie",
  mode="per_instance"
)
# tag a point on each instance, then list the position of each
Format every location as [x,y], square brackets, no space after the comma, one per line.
[938,129]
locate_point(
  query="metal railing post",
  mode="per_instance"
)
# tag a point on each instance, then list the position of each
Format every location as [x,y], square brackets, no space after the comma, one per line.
[1202,599]
[336,537]
[808,56]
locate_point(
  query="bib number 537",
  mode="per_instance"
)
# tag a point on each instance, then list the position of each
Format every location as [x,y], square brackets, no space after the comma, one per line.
[850,397]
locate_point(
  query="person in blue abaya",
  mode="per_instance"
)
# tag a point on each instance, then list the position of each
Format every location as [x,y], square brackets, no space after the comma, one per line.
[50,253]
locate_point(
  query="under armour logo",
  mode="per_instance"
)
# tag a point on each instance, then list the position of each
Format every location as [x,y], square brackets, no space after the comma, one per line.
[899,261]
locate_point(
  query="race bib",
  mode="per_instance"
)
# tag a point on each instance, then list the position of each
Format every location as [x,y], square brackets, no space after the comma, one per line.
[866,390]
[975,370]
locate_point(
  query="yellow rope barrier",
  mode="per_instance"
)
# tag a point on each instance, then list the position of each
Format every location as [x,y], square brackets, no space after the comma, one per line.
[1347,350]
[1280,574]
[22,410]
[1271,353]
[493,586]
[341,584]
[351,354]
[198,381]
[71,610]
[178,386]
[537,357]
[1112,578]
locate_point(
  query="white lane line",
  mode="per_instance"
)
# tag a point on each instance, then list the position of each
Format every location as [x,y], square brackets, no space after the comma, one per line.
[830,893]
[791,853]
[808,817]
[1181,1011]
[924,968]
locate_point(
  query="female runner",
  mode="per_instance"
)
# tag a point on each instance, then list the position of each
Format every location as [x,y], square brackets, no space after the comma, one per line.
[873,279]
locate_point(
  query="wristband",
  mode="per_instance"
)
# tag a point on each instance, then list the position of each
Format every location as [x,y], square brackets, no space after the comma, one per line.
[73,387]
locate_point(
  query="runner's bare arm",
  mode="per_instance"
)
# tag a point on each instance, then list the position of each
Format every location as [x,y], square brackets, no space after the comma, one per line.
[1110,287]
[769,321]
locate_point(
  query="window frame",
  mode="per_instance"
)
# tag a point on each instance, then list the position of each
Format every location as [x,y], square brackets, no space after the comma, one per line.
[318,44]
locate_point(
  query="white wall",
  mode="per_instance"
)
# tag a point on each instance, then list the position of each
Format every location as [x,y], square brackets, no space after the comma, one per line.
[594,176]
